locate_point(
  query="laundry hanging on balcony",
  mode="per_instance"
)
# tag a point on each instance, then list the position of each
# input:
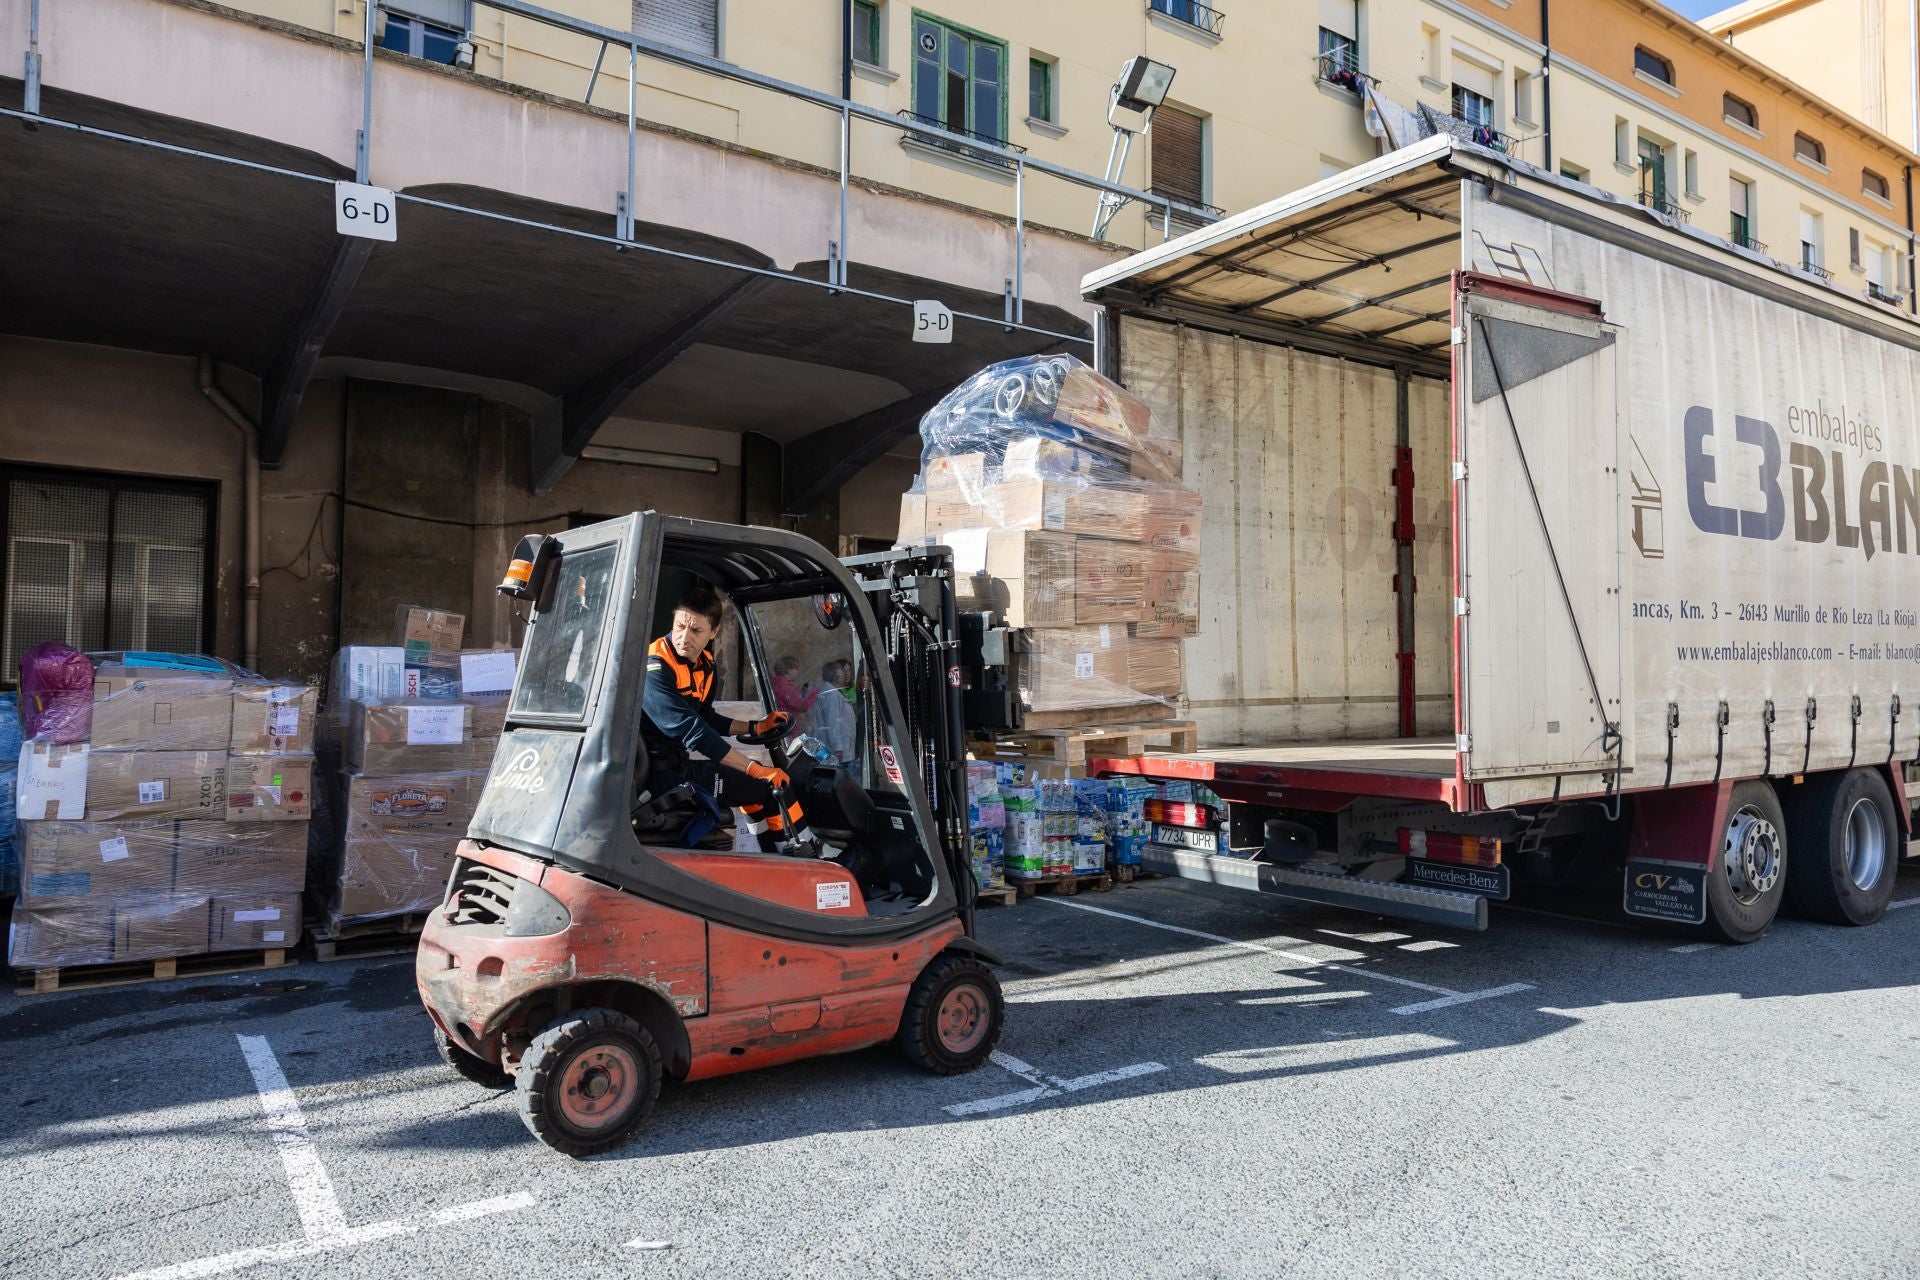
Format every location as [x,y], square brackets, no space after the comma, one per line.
[1390,122]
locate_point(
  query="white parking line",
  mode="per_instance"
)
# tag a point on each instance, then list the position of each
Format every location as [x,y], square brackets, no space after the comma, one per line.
[1904,902]
[1445,996]
[322,1221]
[1692,947]
[1045,1086]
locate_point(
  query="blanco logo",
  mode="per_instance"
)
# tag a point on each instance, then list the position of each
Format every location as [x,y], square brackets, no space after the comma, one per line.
[522,773]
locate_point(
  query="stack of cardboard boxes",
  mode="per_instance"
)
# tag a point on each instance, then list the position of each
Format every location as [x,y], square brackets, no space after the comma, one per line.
[413,728]
[178,828]
[1070,524]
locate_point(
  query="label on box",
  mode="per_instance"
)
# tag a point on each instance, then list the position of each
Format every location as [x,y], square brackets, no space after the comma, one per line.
[264,913]
[113,850]
[1082,666]
[153,792]
[836,893]
[436,726]
[274,935]
[283,721]
[1106,636]
[486,672]
[52,782]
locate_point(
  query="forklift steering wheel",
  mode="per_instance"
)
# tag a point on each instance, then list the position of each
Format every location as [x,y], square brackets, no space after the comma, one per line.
[770,738]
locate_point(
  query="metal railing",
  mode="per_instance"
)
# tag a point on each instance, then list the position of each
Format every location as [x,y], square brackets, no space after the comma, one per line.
[1811,266]
[623,237]
[1205,17]
[1666,206]
[1187,216]
[1746,241]
[990,153]
[1880,293]
[1341,69]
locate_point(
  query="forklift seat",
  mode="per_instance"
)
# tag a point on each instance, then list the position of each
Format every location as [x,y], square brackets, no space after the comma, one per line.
[835,803]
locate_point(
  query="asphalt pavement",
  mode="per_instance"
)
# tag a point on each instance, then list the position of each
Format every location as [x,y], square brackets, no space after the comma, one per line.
[1193,1081]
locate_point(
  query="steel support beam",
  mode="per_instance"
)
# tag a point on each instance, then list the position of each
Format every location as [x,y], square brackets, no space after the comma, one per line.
[287,377]
[820,463]
[585,407]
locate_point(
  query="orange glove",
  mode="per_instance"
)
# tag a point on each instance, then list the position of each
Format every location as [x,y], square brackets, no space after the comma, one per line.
[779,721]
[775,778]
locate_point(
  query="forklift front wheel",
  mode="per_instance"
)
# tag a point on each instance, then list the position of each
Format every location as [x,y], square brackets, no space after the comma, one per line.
[474,1068]
[953,1016]
[588,1081]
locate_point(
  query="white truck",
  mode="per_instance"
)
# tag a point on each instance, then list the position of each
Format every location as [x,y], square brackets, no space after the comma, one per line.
[1548,540]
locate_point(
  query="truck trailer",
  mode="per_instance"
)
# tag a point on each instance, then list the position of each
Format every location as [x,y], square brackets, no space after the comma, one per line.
[1549,541]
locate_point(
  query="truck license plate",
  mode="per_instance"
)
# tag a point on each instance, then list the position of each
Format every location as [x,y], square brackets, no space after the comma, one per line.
[1189,838]
[1489,882]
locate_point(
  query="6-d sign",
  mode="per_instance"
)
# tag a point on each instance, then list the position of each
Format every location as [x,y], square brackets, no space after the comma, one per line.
[360,210]
[932,322]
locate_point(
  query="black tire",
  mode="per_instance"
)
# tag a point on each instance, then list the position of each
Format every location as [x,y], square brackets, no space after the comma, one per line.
[953,1016]
[1844,830]
[585,1049]
[476,1069]
[1747,885]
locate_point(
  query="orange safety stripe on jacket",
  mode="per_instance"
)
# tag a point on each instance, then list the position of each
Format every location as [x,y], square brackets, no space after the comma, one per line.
[696,681]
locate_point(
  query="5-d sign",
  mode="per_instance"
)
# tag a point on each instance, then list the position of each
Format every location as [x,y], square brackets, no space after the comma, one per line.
[360,210]
[932,322]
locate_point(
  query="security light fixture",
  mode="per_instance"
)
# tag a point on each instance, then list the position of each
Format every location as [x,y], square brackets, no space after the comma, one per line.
[1143,84]
[1141,88]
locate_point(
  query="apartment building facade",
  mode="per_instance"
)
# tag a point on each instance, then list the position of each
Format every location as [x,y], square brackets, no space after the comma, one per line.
[688,285]
[1861,55]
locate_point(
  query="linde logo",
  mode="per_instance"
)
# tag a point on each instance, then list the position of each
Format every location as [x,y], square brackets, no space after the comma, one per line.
[521,773]
[1874,509]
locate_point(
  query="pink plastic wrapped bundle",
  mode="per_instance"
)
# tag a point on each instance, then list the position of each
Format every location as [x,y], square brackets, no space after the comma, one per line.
[56,694]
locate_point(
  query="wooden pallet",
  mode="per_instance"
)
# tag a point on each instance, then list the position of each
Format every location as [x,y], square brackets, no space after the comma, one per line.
[1128,872]
[1064,886]
[1094,717]
[1074,746]
[86,977]
[1004,896]
[393,936]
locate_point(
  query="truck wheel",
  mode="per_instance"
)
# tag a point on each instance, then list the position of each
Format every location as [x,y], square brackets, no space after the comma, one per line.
[1844,833]
[953,1016]
[588,1081]
[473,1067]
[1749,880]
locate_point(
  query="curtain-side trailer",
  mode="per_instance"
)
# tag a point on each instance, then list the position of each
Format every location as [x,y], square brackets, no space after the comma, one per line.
[1546,540]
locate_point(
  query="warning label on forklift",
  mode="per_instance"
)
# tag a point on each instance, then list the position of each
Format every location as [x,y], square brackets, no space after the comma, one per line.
[835,893]
[891,763]
[1666,891]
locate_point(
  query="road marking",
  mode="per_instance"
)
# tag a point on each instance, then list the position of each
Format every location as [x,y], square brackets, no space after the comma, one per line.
[1044,1085]
[1464,997]
[1430,944]
[322,1221]
[648,1244]
[1904,902]
[1692,947]
[1444,996]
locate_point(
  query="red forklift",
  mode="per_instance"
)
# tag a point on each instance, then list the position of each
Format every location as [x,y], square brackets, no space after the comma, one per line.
[581,964]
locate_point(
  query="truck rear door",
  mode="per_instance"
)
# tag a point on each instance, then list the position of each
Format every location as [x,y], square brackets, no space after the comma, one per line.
[1539,610]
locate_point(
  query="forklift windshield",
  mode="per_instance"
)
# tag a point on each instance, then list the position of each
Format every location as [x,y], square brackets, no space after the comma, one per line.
[572,773]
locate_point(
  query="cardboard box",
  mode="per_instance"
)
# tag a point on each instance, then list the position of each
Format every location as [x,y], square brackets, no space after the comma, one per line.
[269,789]
[1038,458]
[1172,629]
[1153,669]
[160,709]
[962,473]
[430,637]
[411,735]
[124,785]
[1101,407]
[1109,581]
[1075,668]
[363,673]
[420,803]
[242,922]
[1171,595]
[273,719]
[1068,506]
[66,863]
[913,519]
[1157,459]
[150,928]
[1172,527]
[488,719]
[384,875]
[57,936]
[1027,578]
[228,858]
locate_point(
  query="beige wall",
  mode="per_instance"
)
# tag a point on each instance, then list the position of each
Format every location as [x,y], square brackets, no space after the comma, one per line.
[1854,53]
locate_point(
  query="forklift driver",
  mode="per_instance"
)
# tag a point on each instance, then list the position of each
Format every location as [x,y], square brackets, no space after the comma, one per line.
[678,719]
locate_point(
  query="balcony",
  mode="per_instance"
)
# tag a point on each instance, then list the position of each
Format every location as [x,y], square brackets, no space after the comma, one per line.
[1480,135]
[1665,206]
[1810,264]
[1177,222]
[1202,18]
[1341,69]
[1880,293]
[958,149]
[1746,241]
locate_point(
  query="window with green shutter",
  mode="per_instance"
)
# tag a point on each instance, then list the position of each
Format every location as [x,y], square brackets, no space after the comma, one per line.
[959,78]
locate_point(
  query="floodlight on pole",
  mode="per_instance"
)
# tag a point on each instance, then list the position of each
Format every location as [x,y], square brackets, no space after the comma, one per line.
[1141,88]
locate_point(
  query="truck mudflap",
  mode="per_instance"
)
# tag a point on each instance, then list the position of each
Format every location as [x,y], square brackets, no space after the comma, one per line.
[1423,903]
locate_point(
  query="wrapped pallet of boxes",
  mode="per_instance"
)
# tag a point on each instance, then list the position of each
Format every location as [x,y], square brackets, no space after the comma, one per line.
[1060,496]
[399,834]
[165,844]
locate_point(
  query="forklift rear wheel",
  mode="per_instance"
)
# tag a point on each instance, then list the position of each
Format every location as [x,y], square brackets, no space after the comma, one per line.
[953,1017]
[472,1066]
[588,1081]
